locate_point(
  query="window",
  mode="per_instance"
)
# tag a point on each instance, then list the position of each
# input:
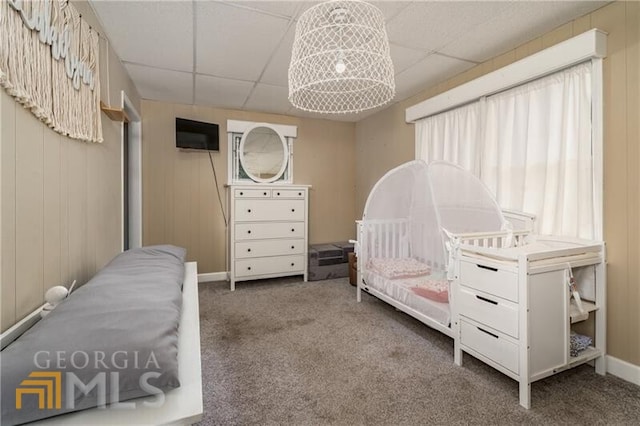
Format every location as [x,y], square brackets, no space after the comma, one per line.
[531,145]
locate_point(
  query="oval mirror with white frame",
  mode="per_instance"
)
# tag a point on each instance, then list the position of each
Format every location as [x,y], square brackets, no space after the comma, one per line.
[260,153]
[263,153]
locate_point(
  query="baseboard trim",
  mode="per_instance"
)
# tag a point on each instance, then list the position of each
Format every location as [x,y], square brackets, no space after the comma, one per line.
[623,369]
[213,276]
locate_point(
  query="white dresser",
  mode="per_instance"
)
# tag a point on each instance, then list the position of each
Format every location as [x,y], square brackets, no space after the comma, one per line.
[268,232]
[514,311]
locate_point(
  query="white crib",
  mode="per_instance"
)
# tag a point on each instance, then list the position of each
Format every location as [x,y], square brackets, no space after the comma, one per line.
[391,238]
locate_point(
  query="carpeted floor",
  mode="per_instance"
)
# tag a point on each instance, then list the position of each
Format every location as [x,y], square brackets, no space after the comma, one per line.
[287,352]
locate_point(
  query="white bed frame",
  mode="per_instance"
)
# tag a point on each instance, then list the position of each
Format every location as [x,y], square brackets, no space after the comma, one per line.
[182,406]
[391,238]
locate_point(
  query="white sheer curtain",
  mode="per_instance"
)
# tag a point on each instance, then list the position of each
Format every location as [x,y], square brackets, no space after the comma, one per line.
[537,151]
[451,136]
[531,145]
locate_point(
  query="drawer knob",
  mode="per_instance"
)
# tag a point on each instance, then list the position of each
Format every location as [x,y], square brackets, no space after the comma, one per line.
[248,268]
[248,249]
[292,264]
[249,231]
[278,193]
[300,193]
[248,210]
[293,247]
[264,193]
[241,193]
[293,210]
[293,230]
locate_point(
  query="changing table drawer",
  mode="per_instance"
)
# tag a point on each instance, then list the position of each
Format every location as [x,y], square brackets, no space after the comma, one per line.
[490,310]
[269,265]
[491,344]
[489,280]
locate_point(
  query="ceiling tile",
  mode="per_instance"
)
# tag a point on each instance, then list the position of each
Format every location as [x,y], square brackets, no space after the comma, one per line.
[221,92]
[281,8]
[153,33]
[234,42]
[306,5]
[269,98]
[431,25]
[426,73]
[404,57]
[162,85]
[390,8]
[278,68]
[517,24]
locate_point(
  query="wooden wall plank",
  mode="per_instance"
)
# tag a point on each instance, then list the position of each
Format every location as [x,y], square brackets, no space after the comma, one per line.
[109,187]
[558,35]
[156,125]
[65,271]
[78,269]
[94,191]
[582,24]
[529,48]
[52,221]
[633,188]
[183,185]
[616,216]
[29,212]
[8,213]
[503,60]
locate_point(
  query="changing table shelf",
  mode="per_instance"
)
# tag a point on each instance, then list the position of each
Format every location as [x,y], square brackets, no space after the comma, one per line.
[577,316]
[514,309]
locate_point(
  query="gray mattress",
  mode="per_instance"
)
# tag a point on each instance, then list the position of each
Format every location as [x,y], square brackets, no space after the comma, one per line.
[120,330]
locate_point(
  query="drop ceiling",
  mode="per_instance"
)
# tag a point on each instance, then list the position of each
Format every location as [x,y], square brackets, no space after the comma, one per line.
[235,54]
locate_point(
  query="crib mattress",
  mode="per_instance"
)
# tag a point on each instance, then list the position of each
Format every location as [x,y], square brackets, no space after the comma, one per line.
[399,290]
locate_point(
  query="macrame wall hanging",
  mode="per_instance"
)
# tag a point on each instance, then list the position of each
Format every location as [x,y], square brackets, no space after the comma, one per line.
[49,63]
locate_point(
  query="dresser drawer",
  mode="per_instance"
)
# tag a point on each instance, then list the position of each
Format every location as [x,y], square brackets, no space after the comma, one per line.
[252,193]
[491,344]
[490,310]
[269,265]
[260,248]
[259,210]
[288,193]
[258,231]
[489,280]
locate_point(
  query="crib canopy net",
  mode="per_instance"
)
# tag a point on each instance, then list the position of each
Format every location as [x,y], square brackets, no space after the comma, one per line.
[411,204]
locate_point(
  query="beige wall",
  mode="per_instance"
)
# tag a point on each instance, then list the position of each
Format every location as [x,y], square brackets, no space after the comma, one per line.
[385,140]
[180,205]
[60,198]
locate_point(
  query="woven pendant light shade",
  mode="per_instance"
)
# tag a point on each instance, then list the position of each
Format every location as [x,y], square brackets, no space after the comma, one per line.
[340,61]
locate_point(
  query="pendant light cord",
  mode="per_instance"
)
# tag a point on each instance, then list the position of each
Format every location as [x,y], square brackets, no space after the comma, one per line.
[215,178]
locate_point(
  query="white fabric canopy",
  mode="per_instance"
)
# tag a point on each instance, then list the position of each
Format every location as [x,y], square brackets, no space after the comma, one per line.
[429,198]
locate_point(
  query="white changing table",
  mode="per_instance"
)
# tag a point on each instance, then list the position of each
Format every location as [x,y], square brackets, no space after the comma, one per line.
[513,308]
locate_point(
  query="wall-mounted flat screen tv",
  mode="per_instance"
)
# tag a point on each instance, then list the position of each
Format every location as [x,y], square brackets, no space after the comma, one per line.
[192,134]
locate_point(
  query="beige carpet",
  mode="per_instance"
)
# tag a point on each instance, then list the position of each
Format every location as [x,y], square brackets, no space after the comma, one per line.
[288,352]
